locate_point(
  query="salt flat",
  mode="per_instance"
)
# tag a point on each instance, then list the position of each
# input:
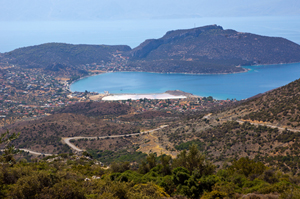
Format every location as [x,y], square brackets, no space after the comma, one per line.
[142,96]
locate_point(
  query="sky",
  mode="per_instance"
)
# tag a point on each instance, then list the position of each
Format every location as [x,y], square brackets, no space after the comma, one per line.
[130,22]
[36,10]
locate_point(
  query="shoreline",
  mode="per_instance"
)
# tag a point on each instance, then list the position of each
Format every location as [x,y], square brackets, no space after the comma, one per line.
[245,70]
[69,87]
[81,78]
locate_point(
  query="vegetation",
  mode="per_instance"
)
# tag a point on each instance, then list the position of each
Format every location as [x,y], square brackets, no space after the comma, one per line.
[189,175]
[279,106]
[107,157]
[97,109]
[210,49]
[65,54]
[9,151]
[231,140]
[223,149]
[186,145]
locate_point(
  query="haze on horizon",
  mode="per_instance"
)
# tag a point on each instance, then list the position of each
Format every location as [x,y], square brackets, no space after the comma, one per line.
[29,10]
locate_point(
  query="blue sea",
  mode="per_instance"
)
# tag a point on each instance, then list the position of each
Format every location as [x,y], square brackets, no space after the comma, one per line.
[259,79]
[224,86]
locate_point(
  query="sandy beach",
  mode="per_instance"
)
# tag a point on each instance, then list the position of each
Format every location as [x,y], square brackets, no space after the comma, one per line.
[142,96]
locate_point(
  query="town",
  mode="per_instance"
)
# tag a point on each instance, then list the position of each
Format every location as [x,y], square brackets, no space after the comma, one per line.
[30,93]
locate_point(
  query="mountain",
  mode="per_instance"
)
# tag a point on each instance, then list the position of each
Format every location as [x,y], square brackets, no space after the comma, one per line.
[208,49]
[211,49]
[46,54]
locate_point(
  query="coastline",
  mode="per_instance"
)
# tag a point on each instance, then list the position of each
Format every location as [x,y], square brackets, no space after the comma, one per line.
[81,78]
[244,71]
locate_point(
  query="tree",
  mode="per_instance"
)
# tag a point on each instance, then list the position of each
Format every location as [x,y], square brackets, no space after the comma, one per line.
[151,159]
[165,162]
[247,167]
[210,98]
[194,160]
[9,150]
[120,167]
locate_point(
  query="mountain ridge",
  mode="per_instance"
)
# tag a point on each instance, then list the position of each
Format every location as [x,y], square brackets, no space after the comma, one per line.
[203,50]
[214,43]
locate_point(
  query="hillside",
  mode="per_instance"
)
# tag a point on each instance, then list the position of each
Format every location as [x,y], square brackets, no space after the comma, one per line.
[97,109]
[225,154]
[45,55]
[279,107]
[265,128]
[86,119]
[208,49]
[211,49]
[81,119]
[223,136]
[44,135]
[238,132]
[189,175]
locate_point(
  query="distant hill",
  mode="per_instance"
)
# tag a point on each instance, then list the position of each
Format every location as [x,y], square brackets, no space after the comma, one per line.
[211,49]
[208,49]
[65,54]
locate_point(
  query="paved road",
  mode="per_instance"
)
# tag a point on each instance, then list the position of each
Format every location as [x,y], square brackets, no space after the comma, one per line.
[268,125]
[32,152]
[66,140]
[36,153]
[207,116]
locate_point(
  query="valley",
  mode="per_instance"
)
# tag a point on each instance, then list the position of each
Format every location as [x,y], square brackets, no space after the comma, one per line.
[194,146]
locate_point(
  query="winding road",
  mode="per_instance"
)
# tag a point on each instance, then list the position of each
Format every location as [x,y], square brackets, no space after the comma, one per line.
[32,152]
[271,126]
[66,140]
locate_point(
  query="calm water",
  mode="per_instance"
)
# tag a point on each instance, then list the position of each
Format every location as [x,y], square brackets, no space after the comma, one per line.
[133,32]
[240,86]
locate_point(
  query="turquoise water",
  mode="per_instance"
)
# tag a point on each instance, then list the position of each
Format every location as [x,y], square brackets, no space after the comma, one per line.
[239,86]
[16,34]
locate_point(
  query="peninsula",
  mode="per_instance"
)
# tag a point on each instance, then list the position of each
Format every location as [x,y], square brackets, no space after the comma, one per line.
[203,50]
[211,49]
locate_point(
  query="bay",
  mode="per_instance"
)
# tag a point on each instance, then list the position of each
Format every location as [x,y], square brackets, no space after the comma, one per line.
[258,79]
[16,34]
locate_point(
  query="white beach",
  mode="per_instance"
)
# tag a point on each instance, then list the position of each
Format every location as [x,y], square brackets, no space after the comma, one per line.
[142,96]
